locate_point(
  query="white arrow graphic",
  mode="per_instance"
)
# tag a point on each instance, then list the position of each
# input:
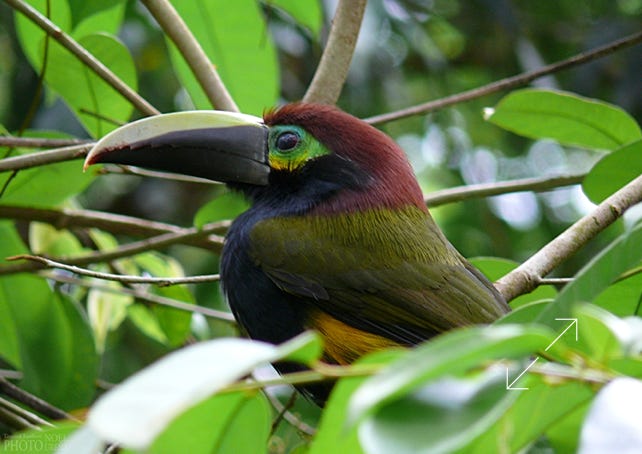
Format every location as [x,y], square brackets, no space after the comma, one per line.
[509,386]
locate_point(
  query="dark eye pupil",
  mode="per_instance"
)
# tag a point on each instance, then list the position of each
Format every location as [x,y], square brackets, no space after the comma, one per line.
[287,141]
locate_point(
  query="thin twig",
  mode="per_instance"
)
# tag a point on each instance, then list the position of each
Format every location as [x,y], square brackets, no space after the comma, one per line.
[510,82]
[84,56]
[527,276]
[190,49]
[40,158]
[555,280]
[125,279]
[12,416]
[332,71]
[285,413]
[39,142]
[501,187]
[24,414]
[145,297]
[10,390]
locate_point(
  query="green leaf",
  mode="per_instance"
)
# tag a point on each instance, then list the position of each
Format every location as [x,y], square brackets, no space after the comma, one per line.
[456,411]
[219,425]
[450,354]
[332,434]
[32,38]
[309,14]
[613,421]
[623,297]
[598,333]
[235,38]
[92,99]
[494,268]
[136,412]
[96,15]
[146,321]
[225,206]
[56,348]
[47,240]
[613,171]
[531,415]
[568,118]
[40,186]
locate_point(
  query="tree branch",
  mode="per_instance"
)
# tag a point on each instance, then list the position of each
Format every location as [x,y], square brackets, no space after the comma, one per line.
[526,277]
[332,71]
[84,56]
[144,297]
[472,191]
[203,69]
[509,82]
[41,158]
[39,142]
[9,389]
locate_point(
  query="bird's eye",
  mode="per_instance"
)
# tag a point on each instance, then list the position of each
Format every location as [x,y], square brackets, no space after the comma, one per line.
[286,141]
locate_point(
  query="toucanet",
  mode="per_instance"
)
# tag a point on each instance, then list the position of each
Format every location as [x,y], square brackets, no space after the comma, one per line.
[338,238]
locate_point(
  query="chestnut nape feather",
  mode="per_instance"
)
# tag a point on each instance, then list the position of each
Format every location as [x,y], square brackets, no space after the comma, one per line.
[342,243]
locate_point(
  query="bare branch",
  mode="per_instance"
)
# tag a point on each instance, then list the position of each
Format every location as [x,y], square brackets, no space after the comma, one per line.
[527,276]
[84,56]
[39,142]
[332,71]
[509,82]
[9,389]
[502,187]
[205,72]
[119,224]
[144,297]
[40,158]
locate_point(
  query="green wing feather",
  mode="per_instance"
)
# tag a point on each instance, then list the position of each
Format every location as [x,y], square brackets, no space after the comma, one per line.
[388,272]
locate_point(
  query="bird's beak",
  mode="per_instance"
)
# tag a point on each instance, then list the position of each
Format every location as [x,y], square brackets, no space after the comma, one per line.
[221,146]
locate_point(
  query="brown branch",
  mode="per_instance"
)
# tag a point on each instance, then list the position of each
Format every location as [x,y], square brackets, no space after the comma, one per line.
[40,158]
[145,297]
[38,142]
[203,69]
[84,56]
[502,187]
[10,390]
[332,71]
[510,82]
[527,276]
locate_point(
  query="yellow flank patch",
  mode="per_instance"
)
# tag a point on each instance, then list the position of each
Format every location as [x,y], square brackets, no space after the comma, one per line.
[343,343]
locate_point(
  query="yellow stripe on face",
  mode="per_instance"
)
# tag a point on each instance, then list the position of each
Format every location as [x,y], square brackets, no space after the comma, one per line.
[285,162]
[343,343]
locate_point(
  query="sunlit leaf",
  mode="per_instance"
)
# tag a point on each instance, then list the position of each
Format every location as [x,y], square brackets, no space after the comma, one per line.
[309,14]
[225,206]
[96,15]
[568,118]
[613,171]
[235,38]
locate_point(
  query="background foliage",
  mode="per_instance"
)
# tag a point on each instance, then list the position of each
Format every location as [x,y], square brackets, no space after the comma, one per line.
[67,341]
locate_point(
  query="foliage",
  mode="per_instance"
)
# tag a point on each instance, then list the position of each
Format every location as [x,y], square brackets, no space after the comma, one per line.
[524,383]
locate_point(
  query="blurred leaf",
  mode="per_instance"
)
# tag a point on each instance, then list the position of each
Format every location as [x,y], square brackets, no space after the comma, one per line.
[137,411]
[57,354]
[46,239]
[225,206]
[613,421]
[332,434]
[568,118]
[525,314]
[613,171]
[219,425]
[494,268]
[597,330]
[448,354]
[536,410]
[44,440]
[564,435]
[106,311]
[97,105]
[145,320]
[456,410]
[82,441]
[235,38]
[41,186]
[309,14]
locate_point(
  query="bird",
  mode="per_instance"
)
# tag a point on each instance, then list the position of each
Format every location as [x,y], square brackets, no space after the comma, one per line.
[337,239]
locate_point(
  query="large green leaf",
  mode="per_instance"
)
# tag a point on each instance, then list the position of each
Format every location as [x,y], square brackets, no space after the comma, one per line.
[55,346]
[568,118]
[99,107]
[235,38]
[307,13]
[103,15]
[613,171]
